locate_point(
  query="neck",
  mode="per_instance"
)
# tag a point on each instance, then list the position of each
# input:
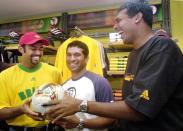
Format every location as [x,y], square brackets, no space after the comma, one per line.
[142,38]
[76,75]
[30,66]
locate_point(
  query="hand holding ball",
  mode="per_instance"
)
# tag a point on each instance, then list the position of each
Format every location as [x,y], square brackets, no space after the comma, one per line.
[44,94]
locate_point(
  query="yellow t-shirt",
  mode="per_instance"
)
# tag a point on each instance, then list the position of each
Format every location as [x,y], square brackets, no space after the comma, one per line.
[94,63]
[17,84]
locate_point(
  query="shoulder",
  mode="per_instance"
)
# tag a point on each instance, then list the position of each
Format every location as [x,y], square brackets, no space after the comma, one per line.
[169,47]
[162,45]
[97,80]
[94,77]
[165,44]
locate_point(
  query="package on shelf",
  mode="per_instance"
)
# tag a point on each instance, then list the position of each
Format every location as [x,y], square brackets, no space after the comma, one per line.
[114,37]
[117,63]
[117,94]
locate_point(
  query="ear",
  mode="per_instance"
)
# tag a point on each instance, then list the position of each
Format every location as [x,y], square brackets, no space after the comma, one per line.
[21,49]
[138,17]
[87,58]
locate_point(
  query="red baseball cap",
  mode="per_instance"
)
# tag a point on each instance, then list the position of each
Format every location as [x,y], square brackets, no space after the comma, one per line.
[30,38]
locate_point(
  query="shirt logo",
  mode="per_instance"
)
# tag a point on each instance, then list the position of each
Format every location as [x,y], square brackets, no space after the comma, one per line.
[33,79]
[145,95]
[71,91]
[27,93]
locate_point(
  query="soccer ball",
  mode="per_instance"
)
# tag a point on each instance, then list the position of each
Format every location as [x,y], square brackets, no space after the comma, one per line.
[44,94]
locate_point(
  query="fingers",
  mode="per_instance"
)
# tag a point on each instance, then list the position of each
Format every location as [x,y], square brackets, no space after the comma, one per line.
[29,101]
[56,115]
[52,112]
[34,115]
[64,124]
[30,112]
[57,118]
[37,118]
[51,103]
[66,95]
[68,122]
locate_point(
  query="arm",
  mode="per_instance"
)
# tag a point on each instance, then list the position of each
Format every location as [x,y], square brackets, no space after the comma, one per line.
[97,123]
[70,106]
[12,112]
[114,110]
[73,121]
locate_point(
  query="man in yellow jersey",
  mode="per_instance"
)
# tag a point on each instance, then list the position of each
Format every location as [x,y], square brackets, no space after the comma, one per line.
[18,83]
[3,66]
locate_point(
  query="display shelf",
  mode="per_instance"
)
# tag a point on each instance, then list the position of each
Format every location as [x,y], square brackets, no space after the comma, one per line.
[110,73]
[117,94]
[155,2]
[120,45]
[48,50]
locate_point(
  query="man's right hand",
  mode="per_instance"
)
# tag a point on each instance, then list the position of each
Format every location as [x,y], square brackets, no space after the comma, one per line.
[26,110]
[65,107]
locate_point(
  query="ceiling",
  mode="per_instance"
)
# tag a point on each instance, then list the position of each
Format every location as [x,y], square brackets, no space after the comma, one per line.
[14,10]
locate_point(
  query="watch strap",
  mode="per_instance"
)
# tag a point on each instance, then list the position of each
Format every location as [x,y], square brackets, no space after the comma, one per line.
[84,106]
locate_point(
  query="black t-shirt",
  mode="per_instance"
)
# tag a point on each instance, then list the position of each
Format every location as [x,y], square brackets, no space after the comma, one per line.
[153,86]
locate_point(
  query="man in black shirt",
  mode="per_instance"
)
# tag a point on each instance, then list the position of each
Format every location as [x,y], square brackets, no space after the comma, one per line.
[153,81]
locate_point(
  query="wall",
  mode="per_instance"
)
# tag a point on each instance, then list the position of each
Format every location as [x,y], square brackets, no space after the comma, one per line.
[177,20]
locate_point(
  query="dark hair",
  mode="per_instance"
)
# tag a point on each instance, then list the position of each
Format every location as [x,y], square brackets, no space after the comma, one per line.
[81,45]
[135,6]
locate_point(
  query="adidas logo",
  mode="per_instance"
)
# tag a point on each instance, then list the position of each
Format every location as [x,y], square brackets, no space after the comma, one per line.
[145,95]
[33,79]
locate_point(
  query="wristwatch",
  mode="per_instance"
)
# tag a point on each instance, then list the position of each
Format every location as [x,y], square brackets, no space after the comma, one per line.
[83,106]
[80,126]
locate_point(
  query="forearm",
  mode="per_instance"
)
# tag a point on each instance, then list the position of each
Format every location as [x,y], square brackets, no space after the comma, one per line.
[10,112]
[98,123]
[114,110]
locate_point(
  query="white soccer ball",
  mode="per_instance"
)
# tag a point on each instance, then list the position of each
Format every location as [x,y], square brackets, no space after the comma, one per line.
[44,94]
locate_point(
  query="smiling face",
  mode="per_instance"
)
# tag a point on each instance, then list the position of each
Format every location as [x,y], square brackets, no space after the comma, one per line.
[75,59]
[124,25]
[31,54]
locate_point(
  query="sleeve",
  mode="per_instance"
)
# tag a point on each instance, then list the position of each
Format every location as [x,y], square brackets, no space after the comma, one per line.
[59,58]
[4,99]
[155,83]
[58,77]
[103,91]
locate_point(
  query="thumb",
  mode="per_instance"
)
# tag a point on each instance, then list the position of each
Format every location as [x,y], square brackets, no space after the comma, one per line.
[28,101]
[66,94]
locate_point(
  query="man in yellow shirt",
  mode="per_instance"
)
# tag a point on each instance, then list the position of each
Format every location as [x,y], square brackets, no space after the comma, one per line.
[18,83]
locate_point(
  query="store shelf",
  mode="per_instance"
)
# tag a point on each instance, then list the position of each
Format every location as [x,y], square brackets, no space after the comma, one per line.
[117,94]
[155,2]
[120,45]
[110,73]
[48,50]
